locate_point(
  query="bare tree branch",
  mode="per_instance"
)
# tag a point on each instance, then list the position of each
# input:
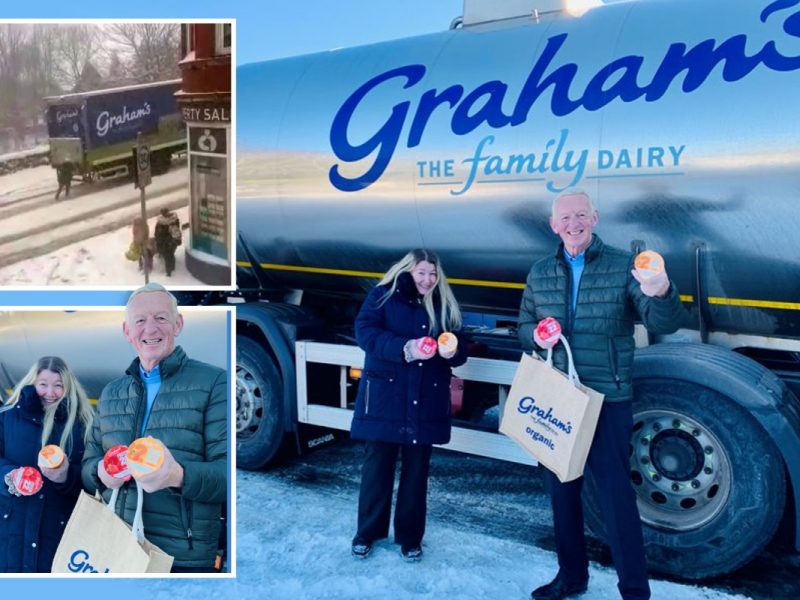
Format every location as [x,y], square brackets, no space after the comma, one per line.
[154,48]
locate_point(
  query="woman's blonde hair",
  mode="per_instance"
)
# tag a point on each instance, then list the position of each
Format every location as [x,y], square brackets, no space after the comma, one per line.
[449,314]
[78,406]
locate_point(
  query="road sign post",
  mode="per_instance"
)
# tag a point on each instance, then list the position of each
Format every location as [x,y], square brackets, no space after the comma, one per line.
[143,179]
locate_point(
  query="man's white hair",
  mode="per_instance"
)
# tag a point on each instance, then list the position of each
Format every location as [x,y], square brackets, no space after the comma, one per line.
[149,289]
[571,192]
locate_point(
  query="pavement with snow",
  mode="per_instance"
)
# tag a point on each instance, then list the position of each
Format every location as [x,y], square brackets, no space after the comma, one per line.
[81,241]
[295,524]
[293,542]
[97,261]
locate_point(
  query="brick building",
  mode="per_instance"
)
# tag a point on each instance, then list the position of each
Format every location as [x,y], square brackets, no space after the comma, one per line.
[205,101]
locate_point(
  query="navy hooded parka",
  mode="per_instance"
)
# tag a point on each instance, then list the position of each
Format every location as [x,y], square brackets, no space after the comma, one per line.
[401,402]
[31,526]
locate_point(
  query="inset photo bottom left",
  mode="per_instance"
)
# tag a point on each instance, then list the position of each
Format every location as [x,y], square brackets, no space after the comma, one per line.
[115,432]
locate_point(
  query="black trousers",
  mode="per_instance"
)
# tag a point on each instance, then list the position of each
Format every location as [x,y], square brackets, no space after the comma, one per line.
[609,464]
[65,185]
[375,496]
[169,262]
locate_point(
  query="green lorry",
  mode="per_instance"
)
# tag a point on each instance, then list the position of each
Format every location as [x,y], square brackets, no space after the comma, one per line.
[97,130]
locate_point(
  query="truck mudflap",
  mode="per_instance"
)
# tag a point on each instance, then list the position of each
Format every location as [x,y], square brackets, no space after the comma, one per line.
[714,433]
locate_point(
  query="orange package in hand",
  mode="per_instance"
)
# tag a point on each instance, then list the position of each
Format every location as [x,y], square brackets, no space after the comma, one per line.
[50,457]
[448,341]
[649,264]
[145,455]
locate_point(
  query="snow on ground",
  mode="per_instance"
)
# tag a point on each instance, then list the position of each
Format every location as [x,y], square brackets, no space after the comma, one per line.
[293,543]
[27,182]
[98,261]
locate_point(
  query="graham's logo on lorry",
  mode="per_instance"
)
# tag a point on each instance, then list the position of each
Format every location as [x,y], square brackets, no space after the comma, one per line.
[483,105]
[63,115]
[106,121]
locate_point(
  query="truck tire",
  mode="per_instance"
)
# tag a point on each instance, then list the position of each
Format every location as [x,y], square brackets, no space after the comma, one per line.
[160,162]
[259,406]
[709,480]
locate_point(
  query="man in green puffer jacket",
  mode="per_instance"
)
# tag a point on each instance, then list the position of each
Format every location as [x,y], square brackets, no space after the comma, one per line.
[595,293]
[182,403]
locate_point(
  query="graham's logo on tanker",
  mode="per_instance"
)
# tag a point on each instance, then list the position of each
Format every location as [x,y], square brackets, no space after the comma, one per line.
[483,106]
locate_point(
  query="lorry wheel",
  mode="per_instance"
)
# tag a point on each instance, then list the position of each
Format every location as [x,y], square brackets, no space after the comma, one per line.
[709,481]
[160,162]
[259,406]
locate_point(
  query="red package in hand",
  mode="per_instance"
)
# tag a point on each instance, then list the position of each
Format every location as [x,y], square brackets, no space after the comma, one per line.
[427,346]
[548,330]
[27,480]
[115,462]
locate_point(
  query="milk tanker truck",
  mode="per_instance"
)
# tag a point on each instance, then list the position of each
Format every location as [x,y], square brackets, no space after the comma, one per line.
[679,117]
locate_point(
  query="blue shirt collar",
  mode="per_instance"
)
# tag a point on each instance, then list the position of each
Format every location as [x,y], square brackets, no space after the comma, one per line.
[152,375]
[580,259]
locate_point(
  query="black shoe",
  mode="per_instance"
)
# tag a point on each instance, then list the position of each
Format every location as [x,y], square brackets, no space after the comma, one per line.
[361,548]
[558,589]
[411,553]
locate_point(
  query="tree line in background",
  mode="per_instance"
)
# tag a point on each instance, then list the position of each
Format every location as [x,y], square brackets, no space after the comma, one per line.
[41,59]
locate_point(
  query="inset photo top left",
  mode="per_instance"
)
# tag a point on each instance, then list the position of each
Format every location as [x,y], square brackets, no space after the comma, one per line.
[116,146]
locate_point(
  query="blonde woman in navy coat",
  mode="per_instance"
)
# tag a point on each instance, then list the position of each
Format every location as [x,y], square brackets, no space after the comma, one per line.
[48,406]
[403,402]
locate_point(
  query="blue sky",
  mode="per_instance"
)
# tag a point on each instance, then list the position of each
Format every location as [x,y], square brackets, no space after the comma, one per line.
[270,28]
[290,28]
[273,28]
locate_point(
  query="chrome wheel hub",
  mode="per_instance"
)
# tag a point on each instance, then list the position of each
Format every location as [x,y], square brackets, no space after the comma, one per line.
[249,403]
[679,469]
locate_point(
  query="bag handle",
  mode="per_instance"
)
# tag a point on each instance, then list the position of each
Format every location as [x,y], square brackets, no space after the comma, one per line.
[112,502]
[572,374]
[137,528]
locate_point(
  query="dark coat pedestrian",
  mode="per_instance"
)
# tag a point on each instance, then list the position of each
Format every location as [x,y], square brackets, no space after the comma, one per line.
[403,402]
[64,173]
[168,238]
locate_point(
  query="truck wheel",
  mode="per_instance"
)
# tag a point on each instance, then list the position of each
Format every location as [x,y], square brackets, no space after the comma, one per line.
[160,162]
[709,481]
[259,406]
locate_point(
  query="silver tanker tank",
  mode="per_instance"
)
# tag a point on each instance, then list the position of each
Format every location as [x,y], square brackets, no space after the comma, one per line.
[679,117]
